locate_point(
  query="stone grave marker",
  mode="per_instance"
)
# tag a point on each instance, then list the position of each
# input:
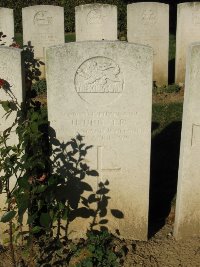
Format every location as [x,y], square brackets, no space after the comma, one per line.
[100,86]
[96,22]
[187,219]
[188,31]
[10,71]
[43,25]
[7,24]
[148,23]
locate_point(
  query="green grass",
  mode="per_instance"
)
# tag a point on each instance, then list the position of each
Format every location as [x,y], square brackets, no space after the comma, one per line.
[172,46]
[69,37]
[19,39]
[165,114]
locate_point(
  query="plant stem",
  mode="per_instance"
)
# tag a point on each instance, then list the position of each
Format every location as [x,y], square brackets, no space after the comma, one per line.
[10,228]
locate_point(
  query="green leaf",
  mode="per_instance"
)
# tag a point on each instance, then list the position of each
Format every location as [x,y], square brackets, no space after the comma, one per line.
[5,105]
[65,214]
[36,229]
[92,173]
[104,221]
[8,216]
[45,219]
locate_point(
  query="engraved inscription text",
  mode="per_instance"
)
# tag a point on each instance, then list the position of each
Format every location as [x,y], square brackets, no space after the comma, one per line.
[149,17]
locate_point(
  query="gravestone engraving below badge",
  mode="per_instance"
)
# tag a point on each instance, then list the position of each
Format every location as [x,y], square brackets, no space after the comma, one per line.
[99,81]
[149,17]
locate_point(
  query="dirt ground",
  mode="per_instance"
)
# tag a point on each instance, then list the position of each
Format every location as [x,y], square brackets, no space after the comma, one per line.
[168,97]
[163,251]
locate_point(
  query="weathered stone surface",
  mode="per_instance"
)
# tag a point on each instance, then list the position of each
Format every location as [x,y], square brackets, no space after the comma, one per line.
[11,71]
[7,24]
[188,31]
[43,25]
[187,220]
[96,22]
[99,87]
[148,23]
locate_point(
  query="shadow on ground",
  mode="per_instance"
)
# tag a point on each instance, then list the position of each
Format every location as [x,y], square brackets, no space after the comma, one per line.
[171,71]
[164,173]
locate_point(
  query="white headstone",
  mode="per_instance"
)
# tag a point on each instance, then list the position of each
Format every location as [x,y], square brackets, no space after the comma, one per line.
[99,87]
[43,25]
[188,31]
[10,71]
[148,23]
[96,22]
[187,220]
[7,25]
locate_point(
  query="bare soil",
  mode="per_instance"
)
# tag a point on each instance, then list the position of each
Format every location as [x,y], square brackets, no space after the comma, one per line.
[169,97]
[162,250]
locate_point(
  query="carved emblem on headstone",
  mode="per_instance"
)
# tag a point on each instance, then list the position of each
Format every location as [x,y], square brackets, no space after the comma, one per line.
[42,18]
[99,78]
[94,17]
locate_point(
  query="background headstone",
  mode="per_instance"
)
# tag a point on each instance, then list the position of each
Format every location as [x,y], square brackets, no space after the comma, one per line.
[96,22]
[188,31]
[43,25]
[7,25]
[148,23]
[187,220]
[100,86]
[11,71]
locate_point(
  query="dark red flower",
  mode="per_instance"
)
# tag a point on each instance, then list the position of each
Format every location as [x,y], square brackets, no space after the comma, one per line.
[2,83]
[14,44]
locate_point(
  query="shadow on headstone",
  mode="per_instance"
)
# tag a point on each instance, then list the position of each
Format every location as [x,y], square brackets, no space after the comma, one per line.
[73,190]
[164,173]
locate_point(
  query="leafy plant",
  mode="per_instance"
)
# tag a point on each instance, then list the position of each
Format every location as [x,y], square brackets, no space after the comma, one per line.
[51,192]
[40,87]
[19,160]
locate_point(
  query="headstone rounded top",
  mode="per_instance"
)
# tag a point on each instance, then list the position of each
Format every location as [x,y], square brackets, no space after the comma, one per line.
[188,4]
[11,49]
[5,8]
[100,43]
[95,5]
[148,3]
[42,6]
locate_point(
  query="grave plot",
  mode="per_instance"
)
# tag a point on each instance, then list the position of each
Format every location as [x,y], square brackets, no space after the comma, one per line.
[99,87]
[96,22]
[148,24]
[187,220]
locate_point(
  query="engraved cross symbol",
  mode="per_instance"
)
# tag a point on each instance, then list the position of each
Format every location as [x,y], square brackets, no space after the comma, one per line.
[100,167]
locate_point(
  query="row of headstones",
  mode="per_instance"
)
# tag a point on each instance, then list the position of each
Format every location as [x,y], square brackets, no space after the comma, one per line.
[99,87]
[147,23]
